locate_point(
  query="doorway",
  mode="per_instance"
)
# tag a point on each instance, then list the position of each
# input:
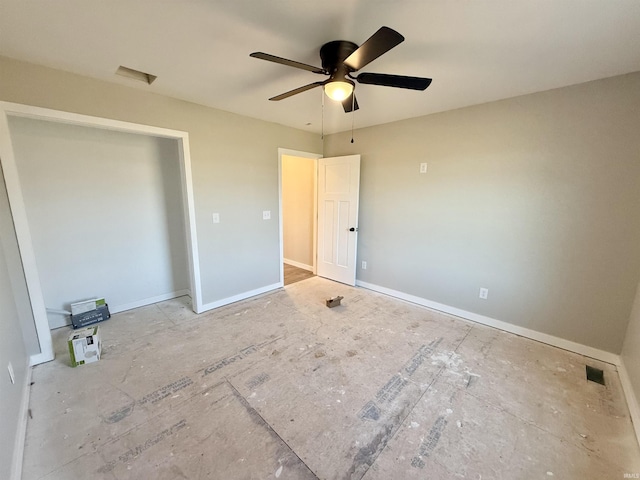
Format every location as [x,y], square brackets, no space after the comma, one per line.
[331,186]
[298,213]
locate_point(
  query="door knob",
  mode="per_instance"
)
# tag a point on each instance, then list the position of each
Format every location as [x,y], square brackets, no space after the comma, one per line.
[352,229]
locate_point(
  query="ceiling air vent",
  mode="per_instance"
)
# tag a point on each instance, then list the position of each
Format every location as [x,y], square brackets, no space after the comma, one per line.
[136,74]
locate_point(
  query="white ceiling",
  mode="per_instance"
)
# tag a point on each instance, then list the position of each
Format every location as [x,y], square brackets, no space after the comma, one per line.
[475,51]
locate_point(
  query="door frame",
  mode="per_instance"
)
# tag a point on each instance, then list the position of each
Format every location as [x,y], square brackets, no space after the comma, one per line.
[18,210]
[314,157]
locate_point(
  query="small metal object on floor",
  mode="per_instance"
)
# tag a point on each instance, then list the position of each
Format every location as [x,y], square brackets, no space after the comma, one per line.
[333,302]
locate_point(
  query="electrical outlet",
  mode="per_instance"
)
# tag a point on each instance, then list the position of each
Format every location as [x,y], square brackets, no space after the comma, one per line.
[484,293]
[364,265]
[423,168]
[215,217]
[12,375]
[266,215]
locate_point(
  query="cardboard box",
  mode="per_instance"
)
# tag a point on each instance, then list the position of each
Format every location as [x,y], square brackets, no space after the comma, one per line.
[85,346]
[85,319]
[86,305]
[333,301]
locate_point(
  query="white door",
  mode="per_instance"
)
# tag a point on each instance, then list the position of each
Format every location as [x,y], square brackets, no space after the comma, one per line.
[338,189]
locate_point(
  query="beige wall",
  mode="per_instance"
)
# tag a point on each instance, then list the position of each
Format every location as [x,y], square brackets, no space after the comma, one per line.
[535,198]
[631,350]
[234,162]
[298,178]
[12,344]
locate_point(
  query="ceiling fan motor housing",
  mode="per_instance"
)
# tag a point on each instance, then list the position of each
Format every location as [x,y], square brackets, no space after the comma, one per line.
[333,55]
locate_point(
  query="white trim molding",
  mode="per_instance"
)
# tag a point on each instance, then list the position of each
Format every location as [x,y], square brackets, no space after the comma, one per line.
[632,400]
[241,296]
[21,433]
[148,301]
[303,266]
[23,236]
[16,202]
[38,358]
[574,347]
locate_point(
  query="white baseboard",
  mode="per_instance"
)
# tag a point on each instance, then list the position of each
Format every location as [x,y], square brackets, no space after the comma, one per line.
[148,301]
[64,320]
[293,263]
[39,358]
[21,433]
[240,296]
[585,350]
[632,400]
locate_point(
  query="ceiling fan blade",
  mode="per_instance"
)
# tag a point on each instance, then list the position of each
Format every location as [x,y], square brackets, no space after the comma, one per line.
[284,61]
[380,42]
[296,91]
[398,81]
[350,103]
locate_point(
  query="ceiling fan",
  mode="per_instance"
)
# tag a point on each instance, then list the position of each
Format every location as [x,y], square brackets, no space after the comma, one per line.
[340,59]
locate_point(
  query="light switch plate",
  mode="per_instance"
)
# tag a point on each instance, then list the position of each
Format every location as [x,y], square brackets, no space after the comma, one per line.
[266,215]
[423,167]
[215,217]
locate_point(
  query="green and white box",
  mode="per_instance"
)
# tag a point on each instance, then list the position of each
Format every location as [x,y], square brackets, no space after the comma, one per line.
[85,346]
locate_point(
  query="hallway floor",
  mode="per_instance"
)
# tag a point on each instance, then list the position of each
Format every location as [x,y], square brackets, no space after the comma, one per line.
[295,274]
[280,386]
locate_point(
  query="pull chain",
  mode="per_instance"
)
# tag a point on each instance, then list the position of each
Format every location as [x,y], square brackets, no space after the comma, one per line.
[322,134]
[353,113]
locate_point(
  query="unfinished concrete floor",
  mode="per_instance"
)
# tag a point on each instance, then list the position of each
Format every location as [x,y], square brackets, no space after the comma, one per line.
[281,386]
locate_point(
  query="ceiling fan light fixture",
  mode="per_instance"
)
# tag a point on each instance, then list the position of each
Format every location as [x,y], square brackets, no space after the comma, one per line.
[338,90]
